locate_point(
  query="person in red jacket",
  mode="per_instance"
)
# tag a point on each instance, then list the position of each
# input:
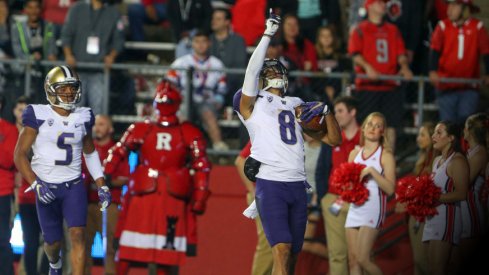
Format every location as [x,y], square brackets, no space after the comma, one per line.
[168,188]
[377,48]
[457,45]
[8,139]
[103,141]
[31,230]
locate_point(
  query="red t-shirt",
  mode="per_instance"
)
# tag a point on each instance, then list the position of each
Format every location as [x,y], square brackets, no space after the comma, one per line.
[341,154]
[55,11]
[380,45]
[299,57]
[122,171]
[460,49]
[246,151]
[8,140]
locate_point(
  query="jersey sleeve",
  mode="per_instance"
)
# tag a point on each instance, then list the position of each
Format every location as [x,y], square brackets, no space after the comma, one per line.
[483,39]
[355,43]
[437,37]
[29,118]
[401,47]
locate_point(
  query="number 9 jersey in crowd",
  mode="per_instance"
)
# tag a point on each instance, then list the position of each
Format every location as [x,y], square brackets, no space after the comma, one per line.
[276,136]
[58,145]
[168,188]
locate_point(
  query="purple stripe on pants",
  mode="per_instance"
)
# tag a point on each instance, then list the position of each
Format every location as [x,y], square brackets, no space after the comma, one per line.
[70,204]
[283,211]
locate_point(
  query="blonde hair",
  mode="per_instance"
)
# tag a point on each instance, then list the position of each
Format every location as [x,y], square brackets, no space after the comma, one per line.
[383,139]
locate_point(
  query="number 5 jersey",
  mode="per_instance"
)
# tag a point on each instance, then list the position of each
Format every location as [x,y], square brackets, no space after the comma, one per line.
[59,142]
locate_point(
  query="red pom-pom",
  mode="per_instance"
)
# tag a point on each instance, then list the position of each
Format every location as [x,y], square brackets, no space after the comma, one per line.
[420,194]
[346,179]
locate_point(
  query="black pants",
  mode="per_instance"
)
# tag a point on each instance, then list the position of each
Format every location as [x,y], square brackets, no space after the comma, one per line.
[6,253]
[31,234]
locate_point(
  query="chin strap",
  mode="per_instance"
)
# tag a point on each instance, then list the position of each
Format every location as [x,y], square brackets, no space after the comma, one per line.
[277,84]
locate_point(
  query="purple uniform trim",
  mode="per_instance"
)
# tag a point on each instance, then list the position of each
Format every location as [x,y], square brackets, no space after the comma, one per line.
[29,118]
[70,204]
[283,211]
[236,101]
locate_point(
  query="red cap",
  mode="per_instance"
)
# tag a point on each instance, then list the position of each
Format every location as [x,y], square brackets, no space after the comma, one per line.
[473,8]
[370,2]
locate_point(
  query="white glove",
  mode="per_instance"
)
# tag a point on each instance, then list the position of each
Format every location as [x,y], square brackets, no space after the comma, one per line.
[272,24]
[251,212]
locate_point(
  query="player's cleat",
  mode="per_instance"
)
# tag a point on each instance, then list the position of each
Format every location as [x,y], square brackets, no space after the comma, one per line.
[55,271]
[56,268]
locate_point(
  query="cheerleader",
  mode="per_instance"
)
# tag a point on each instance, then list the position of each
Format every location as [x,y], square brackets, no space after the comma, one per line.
[363,222]
[423,166]
[451,173]
[473,222]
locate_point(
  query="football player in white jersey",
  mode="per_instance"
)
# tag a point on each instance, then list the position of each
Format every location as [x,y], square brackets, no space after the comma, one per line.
[58,132]
[276,162]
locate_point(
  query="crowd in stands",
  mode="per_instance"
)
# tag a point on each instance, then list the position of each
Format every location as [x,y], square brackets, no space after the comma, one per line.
[434,38]
[318,36]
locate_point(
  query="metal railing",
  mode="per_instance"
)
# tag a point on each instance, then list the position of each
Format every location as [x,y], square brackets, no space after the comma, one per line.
[160,70]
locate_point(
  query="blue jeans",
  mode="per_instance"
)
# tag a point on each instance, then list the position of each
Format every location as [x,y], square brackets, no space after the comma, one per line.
[92,91]
[137,18]
[456,106]
[6,253]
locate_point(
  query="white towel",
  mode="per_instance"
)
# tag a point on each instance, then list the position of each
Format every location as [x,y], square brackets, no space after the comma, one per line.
[251,212]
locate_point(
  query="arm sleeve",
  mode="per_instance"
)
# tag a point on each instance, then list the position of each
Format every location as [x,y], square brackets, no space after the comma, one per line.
[29,118]
[94,166]
[401,48]
[250,84]
[310,54]
[68,30]
[118,36]
[483,40]
[15,40]
[50,47]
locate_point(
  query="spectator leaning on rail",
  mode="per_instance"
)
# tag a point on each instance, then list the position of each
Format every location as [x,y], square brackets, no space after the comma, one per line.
[457,44]
[93,32]
[229,47]
[208,87]
[33,40]
[377,47]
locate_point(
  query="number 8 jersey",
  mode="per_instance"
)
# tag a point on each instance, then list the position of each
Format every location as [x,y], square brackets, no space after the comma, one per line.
[59,142]
[276,137]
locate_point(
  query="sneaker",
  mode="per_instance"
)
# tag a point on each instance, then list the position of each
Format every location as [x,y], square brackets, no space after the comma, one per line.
[220,146]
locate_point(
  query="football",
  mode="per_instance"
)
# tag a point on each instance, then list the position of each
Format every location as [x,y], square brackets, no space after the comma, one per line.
[316,124]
